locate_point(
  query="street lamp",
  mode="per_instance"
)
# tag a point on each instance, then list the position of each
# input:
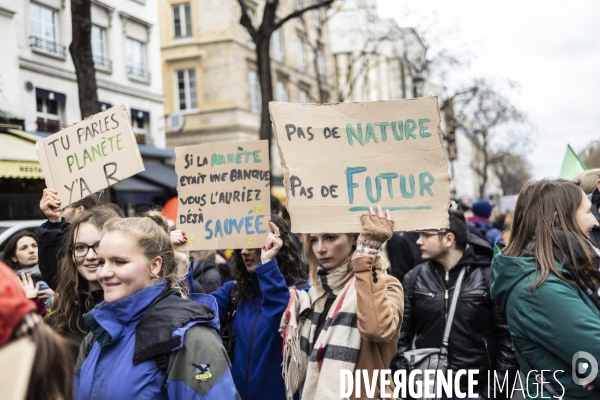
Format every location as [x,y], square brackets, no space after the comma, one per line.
[418,81]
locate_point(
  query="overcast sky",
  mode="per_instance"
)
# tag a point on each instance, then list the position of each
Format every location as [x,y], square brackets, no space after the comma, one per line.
[551,48]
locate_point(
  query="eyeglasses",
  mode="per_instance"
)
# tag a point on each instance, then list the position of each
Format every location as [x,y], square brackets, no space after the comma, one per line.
[425,235]
[82,249]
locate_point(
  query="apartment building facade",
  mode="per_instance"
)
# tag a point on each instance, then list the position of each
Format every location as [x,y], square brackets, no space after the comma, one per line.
[38,83]
[210,74]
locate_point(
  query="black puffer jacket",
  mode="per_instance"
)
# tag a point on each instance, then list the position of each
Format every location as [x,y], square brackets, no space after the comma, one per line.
[479,337]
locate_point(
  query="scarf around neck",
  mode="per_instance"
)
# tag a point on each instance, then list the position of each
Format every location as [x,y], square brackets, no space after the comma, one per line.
[314,367]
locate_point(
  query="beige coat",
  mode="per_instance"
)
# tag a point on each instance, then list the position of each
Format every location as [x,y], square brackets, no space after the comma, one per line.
[380,309]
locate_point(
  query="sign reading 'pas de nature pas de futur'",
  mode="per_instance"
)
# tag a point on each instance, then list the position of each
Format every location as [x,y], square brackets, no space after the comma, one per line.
[341,159]
[90,156]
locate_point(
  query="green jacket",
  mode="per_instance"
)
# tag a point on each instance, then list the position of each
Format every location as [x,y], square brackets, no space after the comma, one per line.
[549,325]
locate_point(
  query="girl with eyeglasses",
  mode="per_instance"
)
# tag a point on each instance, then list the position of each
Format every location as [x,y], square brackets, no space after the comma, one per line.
[78,290]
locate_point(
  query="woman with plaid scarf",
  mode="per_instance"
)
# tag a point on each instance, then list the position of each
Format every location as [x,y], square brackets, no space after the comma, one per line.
[351,317]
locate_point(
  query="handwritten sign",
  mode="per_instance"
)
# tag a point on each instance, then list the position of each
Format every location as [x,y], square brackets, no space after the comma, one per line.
[340,159]
[90,156]
[224,194]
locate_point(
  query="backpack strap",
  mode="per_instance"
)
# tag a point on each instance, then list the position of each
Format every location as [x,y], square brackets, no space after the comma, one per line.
[233,297]
[411,281]
[164,362]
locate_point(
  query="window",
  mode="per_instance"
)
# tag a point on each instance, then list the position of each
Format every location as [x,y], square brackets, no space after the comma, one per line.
[186,89]
[43,30]
[303,96]
[182,20]
[282,92]
[49,109]
[300,54]
[255,95]
[99,48]
[140,123]
[320,62]
[277,45]
[136,60]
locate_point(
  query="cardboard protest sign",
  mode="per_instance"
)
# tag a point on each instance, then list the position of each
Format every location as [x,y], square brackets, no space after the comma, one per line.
[90,156]
[340,159]
[224,194]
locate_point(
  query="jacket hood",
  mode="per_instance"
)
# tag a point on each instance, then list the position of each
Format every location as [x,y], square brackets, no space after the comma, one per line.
[507,272]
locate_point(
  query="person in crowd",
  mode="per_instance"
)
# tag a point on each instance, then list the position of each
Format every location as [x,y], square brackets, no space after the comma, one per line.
[259,296]
[21,254]
[54,232]
[589,181]
[279,209]
[78,290]
[149,340]
[482,209]
[479,337]
[211,269]
[117,209]
[350,319]
[51,376]
[507,226]
[547,281]
[32,292]
[404,253]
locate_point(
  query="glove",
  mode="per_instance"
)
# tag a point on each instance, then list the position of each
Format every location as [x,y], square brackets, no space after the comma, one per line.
[376,229]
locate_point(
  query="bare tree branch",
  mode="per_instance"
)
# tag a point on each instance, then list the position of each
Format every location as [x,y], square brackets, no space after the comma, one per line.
[245,20]
[298,13]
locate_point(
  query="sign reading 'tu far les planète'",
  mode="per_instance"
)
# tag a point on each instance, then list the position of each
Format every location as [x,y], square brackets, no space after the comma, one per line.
[90,155]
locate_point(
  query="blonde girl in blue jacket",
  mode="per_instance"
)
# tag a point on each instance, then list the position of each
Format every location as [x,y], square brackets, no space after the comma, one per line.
[148,340]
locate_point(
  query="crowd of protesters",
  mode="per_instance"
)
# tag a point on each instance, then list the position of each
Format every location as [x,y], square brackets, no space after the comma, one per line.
[117,309]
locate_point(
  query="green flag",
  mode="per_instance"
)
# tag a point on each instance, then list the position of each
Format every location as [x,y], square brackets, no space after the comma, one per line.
[571,165]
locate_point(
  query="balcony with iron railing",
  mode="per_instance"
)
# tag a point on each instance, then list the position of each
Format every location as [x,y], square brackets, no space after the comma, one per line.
[47,47]
[102,63]
[138,74]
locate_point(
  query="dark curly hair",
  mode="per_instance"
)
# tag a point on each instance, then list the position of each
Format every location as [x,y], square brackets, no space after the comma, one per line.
[288,260]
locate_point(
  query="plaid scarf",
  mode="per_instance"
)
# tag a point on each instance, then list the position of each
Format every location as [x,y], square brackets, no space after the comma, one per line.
[314,365]
[587,276]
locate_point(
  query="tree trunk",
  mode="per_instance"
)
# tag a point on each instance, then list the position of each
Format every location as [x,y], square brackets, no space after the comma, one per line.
[81,53]
[265,76]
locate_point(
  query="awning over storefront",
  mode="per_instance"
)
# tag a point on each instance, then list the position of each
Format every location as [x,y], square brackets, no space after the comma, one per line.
[136,191]
[21,169]
[18,157]
[160,174]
